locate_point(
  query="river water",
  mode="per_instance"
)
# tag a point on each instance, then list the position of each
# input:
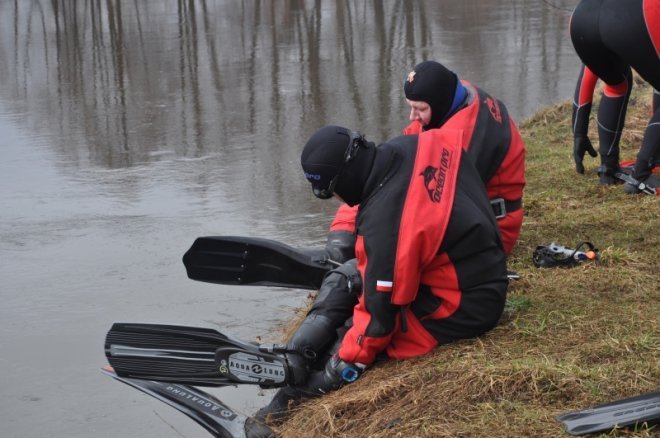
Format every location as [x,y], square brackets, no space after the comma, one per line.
[129,128]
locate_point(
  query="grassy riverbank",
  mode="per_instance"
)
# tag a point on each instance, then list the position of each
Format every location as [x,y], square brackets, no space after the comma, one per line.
[569,338]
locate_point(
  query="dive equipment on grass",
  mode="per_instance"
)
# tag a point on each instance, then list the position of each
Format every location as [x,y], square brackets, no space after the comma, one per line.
[206,410]
[198,356]
[627,412]
[555,255]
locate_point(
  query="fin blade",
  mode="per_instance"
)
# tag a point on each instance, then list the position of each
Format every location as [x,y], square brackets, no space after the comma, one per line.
[190,355]
[166,353]
[239,260]
[644,408]
[206,410]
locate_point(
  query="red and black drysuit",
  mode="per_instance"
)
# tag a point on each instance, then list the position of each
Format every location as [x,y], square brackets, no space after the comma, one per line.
[610,37]
[428,250]
[495,146]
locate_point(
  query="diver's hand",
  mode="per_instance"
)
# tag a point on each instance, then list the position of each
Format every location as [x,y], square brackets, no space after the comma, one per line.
[336,374]
[582,144]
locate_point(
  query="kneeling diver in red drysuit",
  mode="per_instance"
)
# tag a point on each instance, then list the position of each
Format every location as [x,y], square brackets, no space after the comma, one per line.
[439,100]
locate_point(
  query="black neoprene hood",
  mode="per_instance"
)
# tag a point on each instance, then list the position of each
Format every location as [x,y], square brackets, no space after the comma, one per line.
[323,156]
[433,83]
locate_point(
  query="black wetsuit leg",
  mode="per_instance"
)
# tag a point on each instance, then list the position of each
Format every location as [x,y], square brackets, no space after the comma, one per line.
[581,109]
[611,120]
[649,152]
[332,307]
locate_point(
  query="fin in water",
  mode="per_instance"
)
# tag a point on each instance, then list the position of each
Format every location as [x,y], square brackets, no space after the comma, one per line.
[206,410]
[628,412]
[255,261]
[194,356]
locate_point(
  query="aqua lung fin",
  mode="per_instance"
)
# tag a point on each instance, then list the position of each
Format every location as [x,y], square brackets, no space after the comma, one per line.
[628,412]
[255,261]
[209,412]
[197,356]
[259,368]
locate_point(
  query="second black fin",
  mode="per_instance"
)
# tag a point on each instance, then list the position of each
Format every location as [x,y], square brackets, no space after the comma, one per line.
[209,412]
[637,410]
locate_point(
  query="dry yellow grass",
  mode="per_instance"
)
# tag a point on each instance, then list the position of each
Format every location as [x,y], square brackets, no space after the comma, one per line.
[569,338]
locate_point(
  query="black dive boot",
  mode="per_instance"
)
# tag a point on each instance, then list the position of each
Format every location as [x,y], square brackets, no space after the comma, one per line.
[607,175]
[312,337]
[278,408]
[289,397]
[643,180]
[255,428]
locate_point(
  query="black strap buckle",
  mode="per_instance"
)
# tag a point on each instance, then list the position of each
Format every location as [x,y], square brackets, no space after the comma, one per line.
[499,207]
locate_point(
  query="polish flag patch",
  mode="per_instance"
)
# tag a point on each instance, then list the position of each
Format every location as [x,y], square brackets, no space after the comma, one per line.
[383,286]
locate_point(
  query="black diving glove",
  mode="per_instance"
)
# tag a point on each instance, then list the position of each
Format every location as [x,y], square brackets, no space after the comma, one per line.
[582,144]
[340,246]
[336,374]
[351,276]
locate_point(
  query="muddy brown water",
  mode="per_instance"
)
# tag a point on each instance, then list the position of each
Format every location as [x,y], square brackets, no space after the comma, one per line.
[128,128]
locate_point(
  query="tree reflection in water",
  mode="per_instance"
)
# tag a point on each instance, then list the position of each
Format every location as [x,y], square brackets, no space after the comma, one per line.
[125,81]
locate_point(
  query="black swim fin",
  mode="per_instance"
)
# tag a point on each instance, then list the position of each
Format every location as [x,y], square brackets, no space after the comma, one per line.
[255,261]
[213,415]
[196,356]
[628,412]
